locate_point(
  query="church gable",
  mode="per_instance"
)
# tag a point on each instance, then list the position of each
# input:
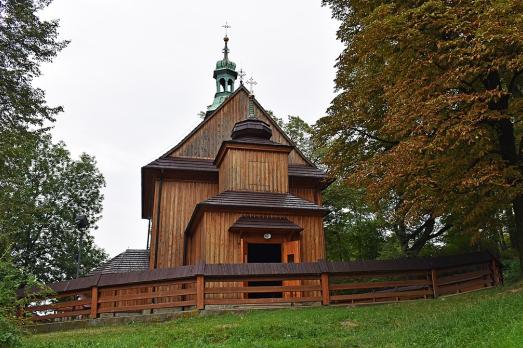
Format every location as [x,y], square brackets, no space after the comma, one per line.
[205,140]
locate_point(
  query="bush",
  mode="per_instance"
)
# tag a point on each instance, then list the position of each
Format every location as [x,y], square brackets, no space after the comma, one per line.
[12,279]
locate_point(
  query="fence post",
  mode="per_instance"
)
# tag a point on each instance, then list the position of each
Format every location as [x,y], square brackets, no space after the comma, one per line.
[200,292]
[94,302]
[325,293]
[434,277]
[495,271]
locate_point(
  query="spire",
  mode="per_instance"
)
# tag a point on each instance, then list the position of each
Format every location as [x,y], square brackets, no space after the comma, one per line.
[225,75]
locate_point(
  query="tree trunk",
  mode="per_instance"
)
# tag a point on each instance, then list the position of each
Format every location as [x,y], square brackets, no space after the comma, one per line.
[518,217]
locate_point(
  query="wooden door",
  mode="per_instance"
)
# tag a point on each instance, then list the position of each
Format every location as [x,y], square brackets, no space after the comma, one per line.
[291,254]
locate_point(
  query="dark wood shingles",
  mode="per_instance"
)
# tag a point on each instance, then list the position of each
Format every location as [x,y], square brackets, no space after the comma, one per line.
[260,201]
[264,223]
[200,164]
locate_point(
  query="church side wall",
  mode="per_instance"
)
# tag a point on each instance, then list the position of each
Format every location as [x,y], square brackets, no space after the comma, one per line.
[178,201]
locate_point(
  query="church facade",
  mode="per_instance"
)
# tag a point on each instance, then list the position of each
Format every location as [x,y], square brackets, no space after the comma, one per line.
[234,190]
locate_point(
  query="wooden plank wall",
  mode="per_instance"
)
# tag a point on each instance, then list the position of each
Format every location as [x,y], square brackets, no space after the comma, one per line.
[178,201]
[222,246]
[254,170]
[206,142]
[310,194]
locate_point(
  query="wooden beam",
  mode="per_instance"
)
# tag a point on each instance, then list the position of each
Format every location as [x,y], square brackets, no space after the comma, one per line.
[434,277]
[325,292]
[200,292]
[94,302]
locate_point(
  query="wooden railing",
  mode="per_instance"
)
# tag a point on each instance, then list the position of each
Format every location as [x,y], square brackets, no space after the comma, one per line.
[204,285]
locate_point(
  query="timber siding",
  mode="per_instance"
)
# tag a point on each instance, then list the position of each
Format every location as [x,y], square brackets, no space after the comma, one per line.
[219,245]
[206,141]
[178,201]
[254,170]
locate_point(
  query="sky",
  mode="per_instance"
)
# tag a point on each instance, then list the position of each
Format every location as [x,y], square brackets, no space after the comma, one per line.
[137,73]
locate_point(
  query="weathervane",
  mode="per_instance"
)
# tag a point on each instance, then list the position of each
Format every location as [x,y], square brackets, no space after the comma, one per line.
[251,83]
[242,74]
[226,26]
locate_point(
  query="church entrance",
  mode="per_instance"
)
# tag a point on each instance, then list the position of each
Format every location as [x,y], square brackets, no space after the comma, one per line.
[264,253]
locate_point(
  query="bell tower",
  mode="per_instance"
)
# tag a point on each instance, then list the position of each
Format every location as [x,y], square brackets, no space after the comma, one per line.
[225,75]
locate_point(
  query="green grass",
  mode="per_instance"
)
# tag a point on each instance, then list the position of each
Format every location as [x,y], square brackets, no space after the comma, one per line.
[489,318]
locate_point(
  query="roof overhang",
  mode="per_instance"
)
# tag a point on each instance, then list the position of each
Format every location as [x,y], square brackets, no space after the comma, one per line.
[262,224]
[191,169]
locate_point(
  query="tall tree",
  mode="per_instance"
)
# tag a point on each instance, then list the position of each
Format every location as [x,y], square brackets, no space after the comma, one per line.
[428,115]
[26,41]
[43,190]
[41,187]
[352,230]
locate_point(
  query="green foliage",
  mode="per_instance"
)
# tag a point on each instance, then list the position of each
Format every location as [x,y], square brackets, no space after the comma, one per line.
[12,279]
[352,231]
[41,187]
[488,318]
[428,115]
[42,191]
[25,42]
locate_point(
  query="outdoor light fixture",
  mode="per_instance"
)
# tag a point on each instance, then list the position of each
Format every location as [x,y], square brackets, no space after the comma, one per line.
[267,236]
[82,223]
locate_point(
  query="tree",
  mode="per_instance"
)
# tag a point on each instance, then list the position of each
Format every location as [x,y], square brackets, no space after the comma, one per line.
[25,42]
[428,115]
[352,231]
[41,187]
[43,190]
[12,279]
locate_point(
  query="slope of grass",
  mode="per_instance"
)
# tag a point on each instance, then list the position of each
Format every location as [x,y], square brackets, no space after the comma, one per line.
[489,318]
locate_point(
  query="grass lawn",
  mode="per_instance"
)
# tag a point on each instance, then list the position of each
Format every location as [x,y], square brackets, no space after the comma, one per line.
[489,318]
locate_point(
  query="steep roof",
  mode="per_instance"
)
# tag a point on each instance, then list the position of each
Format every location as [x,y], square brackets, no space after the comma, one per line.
[130,260]
[273,123]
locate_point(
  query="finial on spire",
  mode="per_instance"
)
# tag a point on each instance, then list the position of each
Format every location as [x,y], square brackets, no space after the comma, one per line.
[226,39]
[251,83]
[241,74]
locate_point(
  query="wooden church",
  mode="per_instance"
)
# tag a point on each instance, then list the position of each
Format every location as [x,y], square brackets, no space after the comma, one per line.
[235,190]
[230,207]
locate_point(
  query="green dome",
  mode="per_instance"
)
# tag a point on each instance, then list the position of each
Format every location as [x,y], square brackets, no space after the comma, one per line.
[225,64]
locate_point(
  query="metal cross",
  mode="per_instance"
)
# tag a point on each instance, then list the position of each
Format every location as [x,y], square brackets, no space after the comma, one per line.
[226,26]
[252,83]
[242,74]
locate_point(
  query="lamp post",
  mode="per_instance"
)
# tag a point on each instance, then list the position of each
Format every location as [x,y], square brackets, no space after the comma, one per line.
[82,224]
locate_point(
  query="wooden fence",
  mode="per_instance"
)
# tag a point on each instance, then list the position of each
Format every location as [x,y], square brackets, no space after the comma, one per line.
[203,285]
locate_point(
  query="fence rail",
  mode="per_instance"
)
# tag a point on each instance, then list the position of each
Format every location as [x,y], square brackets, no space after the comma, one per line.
[203,285]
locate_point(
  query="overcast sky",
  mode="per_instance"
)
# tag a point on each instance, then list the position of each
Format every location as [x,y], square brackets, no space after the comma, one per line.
[137,73]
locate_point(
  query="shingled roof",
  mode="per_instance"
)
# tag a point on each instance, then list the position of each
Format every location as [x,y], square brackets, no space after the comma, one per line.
[262,201]
[255,201]
[207,165]
[130,260]
[263,223]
